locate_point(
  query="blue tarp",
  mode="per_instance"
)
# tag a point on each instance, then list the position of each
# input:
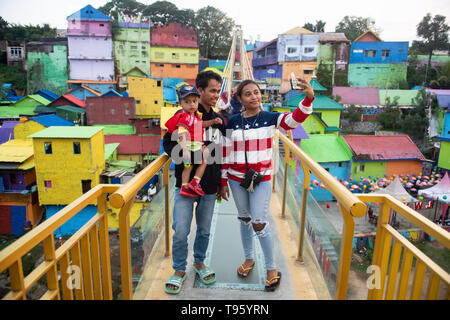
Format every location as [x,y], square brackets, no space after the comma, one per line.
[51,120]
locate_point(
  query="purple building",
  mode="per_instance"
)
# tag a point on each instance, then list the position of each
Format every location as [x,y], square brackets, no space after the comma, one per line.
[90,46]
[265,62]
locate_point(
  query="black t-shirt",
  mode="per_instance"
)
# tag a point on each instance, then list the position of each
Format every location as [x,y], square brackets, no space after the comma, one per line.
[211,178]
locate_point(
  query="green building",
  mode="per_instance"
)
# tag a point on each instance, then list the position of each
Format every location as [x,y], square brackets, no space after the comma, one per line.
[333,55]
[47,65]
[131,43]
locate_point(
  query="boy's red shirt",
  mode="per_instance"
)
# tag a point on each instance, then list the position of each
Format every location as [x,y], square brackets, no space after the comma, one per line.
[191,122]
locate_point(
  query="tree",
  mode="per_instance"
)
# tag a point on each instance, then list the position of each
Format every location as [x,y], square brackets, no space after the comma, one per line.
[17,32]
[318,27]
[389,119]
[353,26]
[214,30]
[130,8]
[434,31]
[162,13]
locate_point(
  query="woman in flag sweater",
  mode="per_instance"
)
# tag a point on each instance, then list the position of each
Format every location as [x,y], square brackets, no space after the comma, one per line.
[256,127]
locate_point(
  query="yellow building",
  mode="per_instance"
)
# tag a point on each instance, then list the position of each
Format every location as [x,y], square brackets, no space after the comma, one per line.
[69,161]
[173,62]
[148,95]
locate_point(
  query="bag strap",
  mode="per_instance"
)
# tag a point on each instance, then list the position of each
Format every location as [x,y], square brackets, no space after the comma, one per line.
[243,140]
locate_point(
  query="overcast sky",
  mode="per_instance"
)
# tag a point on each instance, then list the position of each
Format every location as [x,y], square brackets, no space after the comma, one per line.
[263,19]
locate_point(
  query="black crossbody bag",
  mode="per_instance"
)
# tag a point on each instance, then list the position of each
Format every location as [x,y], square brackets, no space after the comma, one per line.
[252,177]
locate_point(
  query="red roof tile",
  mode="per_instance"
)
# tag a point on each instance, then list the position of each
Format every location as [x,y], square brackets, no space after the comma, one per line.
[75,100]
[135,144]
[391,147]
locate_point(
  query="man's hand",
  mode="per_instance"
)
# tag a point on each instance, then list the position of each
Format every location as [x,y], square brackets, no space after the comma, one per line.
[224,192]
[217,120]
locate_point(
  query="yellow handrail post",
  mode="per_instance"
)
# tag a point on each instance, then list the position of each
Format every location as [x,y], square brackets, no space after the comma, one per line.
[286,163]
[104,248]
[125,250]
[167,206]
[306,178]
[275,160]
[345,254]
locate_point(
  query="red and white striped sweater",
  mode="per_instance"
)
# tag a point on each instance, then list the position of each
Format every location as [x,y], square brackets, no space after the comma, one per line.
[259,133]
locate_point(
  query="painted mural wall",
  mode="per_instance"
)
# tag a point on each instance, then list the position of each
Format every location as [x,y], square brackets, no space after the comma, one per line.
[297,47]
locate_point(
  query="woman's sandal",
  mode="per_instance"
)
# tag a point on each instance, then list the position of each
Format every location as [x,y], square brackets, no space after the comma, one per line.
[275,285]
[175,281]
[245,270]
[204,273]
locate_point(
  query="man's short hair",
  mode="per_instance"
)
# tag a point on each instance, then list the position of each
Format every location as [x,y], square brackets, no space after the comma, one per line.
[203,78]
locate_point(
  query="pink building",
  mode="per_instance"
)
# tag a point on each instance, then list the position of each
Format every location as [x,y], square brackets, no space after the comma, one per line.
[90,45]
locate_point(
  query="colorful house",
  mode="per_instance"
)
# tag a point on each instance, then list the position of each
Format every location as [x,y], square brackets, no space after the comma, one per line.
[148,95]
[82,92]
[174,52]
[365,99]
[379,155]
[69,161]
[47,94]
[327,112]
[90,46]
[73,114]
[135,147]
[28,104]
[109,110]
[68,100]
[131,43]
[376,63]
[297,53]
[7,131]
[444,151]
[19,206]
[265,62]
[333,154]
[36,124]
[47,65]
[134,72]
[334,55]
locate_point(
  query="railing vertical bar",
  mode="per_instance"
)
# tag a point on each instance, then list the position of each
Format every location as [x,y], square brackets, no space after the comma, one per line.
[419,275]
[386,250]
[379,240]
[404,275]
[96,272]
[52,274]
[104,248]
[286,164]
[125,250]
[87,267]
[433,286]
[65,278]
[17,279]
[345,254]
[276,141]
[306,179]
[166,182]
[393,270]
[78,276]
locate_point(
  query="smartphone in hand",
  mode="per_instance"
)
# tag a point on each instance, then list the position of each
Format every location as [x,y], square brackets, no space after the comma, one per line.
[294,83]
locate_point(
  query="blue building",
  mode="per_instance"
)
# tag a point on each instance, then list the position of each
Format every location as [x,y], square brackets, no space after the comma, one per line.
[265,62]
[376,63]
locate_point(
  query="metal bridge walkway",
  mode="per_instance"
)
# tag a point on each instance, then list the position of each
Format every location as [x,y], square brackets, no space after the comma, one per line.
[225,254]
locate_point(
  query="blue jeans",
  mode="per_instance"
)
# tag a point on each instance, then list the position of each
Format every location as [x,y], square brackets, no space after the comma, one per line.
[182,218]
[256,206]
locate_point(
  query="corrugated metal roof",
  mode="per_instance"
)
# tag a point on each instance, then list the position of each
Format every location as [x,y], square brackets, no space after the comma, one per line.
[89,13]
[326,148]
[389,147]
[298,30]
[67,132]
[406,97]
[37,98]
[136,144]
[332,37]
[320,103]
[357,95]
[52,120]
[18,150]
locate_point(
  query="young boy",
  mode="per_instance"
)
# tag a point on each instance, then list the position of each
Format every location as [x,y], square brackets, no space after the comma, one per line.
[188,123]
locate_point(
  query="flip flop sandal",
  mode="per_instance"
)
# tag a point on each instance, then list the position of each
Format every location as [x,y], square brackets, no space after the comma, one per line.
[175,281]
[275,285]
[205,272]
[248,269]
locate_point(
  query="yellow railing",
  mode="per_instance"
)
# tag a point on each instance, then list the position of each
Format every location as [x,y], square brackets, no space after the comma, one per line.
[84,258]
[123,199]
[351,207]
[392,249]
[84,261]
